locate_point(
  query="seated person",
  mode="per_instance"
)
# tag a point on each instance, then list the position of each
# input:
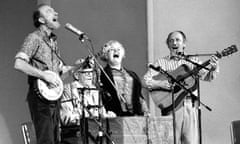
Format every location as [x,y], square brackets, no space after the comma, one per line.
[83,88]
[122,87]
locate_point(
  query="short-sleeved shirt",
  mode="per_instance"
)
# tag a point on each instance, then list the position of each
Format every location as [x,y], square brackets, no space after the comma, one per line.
[41,51]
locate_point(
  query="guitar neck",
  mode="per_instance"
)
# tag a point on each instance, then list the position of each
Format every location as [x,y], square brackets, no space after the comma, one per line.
[70,71]
[225,52]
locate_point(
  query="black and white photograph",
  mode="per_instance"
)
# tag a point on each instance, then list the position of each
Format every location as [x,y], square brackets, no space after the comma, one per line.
[120,72]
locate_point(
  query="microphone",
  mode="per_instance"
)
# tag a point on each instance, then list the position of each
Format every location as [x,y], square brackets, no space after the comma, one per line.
[154,67]
[76,31]
[180,53]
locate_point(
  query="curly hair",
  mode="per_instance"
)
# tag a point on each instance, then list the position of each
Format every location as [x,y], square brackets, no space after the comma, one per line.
[110,44]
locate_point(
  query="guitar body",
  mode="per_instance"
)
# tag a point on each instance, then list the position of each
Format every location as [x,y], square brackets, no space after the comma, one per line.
[162,97]
[49,93]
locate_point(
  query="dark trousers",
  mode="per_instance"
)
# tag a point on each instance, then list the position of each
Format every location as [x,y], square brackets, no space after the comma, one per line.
[45,117]
[71,135]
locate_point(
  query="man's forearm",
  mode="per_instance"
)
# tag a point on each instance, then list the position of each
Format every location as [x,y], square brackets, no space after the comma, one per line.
[26,68]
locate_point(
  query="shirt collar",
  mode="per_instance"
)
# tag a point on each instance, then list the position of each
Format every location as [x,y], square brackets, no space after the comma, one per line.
[47,36]
[173,58]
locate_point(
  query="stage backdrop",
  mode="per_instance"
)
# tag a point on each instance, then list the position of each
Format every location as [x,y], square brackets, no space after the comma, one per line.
[104,20]
[210,26]
[15,23]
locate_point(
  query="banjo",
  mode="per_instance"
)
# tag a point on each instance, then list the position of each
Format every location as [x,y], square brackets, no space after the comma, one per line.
[50,93]
[46,91]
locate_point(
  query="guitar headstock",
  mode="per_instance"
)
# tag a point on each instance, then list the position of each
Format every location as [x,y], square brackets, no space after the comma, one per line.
[227,51]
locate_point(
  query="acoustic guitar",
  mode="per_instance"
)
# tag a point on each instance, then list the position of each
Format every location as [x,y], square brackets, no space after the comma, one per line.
[162,97]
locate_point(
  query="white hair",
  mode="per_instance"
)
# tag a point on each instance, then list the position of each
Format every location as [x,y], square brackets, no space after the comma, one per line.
[110,44]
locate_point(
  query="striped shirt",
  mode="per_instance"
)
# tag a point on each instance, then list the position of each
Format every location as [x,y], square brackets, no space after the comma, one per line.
[170,64]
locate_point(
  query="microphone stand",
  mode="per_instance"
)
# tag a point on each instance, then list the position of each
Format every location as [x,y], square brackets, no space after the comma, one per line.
[174,82]
[173,113]
[83,123]
[197,78]
[100,111]
[98,68]
[199,110]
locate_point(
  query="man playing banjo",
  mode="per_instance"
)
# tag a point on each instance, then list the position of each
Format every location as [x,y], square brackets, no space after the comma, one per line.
[39,53]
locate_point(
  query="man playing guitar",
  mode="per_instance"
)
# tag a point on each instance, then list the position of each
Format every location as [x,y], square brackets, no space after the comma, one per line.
[38,53]
[186,113]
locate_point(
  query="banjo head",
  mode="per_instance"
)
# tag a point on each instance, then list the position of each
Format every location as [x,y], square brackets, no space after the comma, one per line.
[50,94]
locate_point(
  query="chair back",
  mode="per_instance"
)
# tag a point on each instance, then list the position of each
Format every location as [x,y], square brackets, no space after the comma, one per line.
[235,131]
